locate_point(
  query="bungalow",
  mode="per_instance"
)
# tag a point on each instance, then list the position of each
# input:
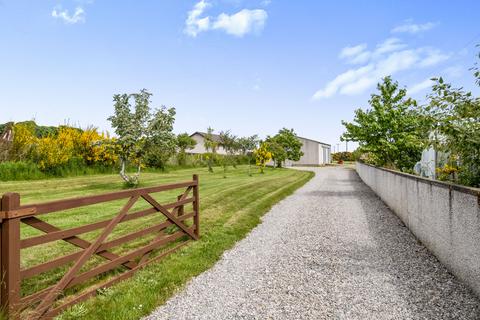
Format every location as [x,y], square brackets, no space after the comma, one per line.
[315,153]
[199,148]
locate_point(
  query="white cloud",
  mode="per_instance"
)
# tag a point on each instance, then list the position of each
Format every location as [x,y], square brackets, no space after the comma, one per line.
[342,80]
[454,71]
[194,24]
[358,54]
[265,2]
[242,22]
[349,52]
[389,45]
[389,57]
[425,84]
[77,17]
[434,57]
[237,24]
[409,27]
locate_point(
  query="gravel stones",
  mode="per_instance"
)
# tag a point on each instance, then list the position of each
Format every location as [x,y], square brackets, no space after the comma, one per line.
[332,250]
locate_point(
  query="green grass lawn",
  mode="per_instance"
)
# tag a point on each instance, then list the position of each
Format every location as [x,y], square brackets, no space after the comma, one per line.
[230,208]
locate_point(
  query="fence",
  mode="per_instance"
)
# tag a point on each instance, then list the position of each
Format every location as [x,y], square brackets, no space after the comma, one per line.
[157,238]
[445,217]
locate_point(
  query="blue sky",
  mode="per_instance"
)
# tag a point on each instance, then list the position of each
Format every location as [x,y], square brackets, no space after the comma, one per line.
[252,66]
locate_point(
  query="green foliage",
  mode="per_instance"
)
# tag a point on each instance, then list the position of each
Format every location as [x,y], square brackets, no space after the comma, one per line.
[476,70]
[141,132]
[27,170]
[184,143]
[131,129]
[209,142]
[278,153]
[211,146]
[39,131]
[453,117]
[246,146]
[20,170]
[230,145]
[391,131]
[161,142]
[284,146]
[290,143]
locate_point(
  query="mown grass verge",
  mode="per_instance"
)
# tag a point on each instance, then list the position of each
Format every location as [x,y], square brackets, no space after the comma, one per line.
[230,208]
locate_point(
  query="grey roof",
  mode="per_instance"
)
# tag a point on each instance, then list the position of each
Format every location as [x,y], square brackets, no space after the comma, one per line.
[215,137]
[326,144]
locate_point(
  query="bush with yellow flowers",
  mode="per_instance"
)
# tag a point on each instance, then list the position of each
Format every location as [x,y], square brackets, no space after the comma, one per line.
[447,173]
[95,148]
[87,146]
[56,150]
[23,141]
[262,156]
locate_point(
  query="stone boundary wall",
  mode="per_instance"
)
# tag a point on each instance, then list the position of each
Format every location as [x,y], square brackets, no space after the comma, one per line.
[445,217]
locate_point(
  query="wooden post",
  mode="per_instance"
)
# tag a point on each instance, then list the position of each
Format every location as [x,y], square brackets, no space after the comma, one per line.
[10,257]
[196,205]
[181,209]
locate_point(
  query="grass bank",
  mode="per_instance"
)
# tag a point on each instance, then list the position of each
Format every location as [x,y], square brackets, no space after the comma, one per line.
[230,208]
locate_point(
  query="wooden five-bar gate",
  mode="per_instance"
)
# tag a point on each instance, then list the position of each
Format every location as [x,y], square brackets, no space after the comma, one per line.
[50,301]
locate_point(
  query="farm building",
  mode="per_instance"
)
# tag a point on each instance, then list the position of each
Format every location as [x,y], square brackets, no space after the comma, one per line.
[315,153]
[199,137]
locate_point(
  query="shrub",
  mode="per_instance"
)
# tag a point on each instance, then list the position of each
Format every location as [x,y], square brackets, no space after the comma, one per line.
[54,151]
[343,156]
[262,156]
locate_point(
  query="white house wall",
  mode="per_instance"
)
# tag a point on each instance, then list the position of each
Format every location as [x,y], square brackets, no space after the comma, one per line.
[200,146]
[314,152]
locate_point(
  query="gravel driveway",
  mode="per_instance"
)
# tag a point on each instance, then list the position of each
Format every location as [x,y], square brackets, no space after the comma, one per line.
[332,250]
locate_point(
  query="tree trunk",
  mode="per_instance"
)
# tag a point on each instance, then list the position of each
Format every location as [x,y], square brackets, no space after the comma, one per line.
[122,170]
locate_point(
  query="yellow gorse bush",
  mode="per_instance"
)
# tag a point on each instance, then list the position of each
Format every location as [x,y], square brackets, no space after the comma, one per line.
[262,156]
[53,151]
[94,147]
[56,150]
[23,141]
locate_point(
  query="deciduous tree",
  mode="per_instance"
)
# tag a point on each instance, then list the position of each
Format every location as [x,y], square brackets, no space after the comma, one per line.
[246,146]
[184,143]
[211,147]
[285,146]
[390,132]
[229,143]
[161,143]
[453,117]
[140,129]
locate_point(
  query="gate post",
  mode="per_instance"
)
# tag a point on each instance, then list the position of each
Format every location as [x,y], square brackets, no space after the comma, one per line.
[10,257]
[196,206]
